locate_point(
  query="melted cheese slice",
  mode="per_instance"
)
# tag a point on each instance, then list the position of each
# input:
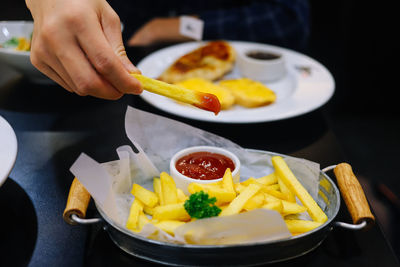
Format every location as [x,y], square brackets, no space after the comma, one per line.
[249,93]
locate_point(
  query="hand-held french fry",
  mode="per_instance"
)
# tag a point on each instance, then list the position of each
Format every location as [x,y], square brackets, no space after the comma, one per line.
[201,100]
[147,197]
[295,186]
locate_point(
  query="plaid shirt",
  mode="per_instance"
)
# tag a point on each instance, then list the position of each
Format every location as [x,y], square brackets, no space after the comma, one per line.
[278,22]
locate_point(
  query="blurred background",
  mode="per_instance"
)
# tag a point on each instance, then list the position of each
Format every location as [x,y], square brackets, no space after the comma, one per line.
[353,40]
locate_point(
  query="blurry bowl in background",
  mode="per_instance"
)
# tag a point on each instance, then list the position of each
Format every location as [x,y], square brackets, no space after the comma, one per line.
[19,60]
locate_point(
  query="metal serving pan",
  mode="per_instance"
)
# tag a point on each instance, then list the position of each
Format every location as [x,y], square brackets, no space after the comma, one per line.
[241,254]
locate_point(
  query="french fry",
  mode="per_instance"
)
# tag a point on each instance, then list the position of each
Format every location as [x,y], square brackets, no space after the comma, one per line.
[291,208]
[157,189]
[148,210]
[227,181]
[171,212]
[201,100]
[217,184]
[147,197]
[169,226]
[268,179]
[301,226]
[274,193]
[168,189]
[323,196]
[136,208]
[181,196]
[285,190]
[195,187]
[249,181]
[269,189]
[295,186]
[254,202]
[274,205]
[239,187]
[237,204]
[270,198]
[274,187]
[143,220]
[222,207]
[220,194]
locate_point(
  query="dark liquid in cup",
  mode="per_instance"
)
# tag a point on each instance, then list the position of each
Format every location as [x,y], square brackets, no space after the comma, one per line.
[263,55]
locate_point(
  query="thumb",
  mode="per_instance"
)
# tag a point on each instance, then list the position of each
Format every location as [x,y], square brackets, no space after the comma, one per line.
[112,31]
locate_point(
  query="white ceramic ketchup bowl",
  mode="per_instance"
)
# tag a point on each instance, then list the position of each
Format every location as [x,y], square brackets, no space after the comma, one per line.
[183,181]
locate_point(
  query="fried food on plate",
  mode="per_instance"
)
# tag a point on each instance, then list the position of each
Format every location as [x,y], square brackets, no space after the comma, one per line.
[249,93]
[201,100]
[225,97]
[211,61]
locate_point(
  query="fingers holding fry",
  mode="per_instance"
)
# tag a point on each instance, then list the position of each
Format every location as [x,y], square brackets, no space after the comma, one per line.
[201,100]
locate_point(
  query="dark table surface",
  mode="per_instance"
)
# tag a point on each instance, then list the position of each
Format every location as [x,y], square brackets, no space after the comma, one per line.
[53,127]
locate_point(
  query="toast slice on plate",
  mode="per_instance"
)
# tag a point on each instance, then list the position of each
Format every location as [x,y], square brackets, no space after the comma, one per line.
[210,62]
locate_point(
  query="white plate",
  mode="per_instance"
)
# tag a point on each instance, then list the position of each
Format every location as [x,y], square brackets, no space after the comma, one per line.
[297,93]
[8,149]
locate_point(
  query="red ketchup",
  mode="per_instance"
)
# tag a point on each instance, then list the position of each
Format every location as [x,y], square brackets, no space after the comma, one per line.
[204,165]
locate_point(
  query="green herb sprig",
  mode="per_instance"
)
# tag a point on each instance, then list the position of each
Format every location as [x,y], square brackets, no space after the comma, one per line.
[200,205]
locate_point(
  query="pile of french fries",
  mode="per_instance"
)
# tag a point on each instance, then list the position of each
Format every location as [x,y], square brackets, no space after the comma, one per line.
[164,207]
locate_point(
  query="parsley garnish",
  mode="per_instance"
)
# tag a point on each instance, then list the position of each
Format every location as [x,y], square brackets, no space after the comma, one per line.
[200,205]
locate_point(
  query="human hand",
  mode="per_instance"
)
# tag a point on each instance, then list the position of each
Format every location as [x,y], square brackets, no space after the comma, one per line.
[78,44]
[158,30]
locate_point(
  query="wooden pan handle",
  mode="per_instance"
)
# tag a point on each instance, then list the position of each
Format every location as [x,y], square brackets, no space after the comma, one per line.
[77,203]
[353,195]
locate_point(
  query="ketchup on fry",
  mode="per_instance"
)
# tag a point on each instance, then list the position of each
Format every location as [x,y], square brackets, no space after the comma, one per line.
[209,102]
[204,165]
